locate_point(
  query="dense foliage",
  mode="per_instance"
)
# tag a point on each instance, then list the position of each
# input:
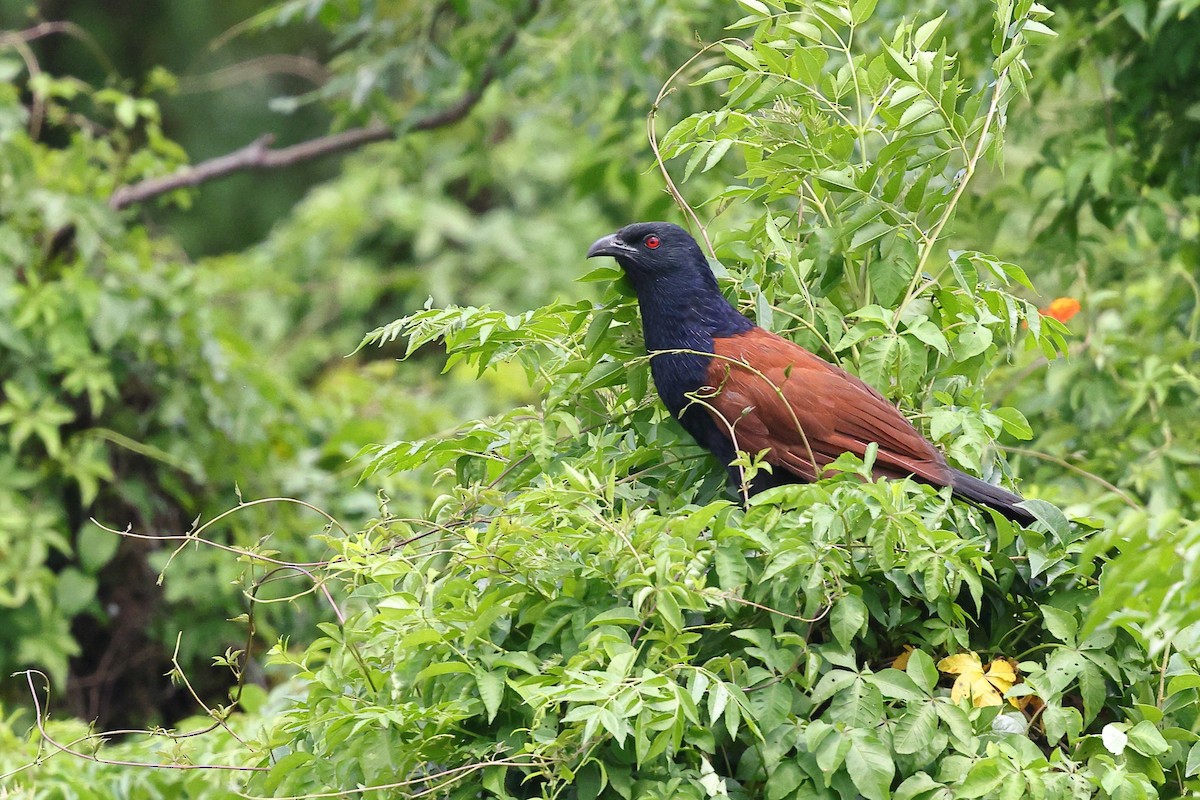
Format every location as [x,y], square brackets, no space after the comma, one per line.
[554,593]
[146,390]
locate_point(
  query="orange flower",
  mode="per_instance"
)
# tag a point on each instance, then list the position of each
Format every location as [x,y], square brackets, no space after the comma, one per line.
[1062,309]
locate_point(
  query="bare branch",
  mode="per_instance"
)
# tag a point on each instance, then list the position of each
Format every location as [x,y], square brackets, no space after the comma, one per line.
[259,155]
[256,155]
[44,29]
[42,715]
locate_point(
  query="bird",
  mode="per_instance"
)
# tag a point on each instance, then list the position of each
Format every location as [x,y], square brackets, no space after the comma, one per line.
[735,386]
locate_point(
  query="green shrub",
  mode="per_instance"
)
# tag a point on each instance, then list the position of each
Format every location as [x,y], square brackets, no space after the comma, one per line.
[585,611]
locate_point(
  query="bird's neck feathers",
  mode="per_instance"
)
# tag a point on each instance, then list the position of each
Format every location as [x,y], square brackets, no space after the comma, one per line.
[685,310]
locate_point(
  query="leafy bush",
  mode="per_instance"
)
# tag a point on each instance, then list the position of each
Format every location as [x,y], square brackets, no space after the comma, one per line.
[585,611]
[145,390]
[106,356]
[1104,199]
[134,393]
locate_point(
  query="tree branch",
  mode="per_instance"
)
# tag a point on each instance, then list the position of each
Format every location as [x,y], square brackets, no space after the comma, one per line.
[259,155]
[256,155]
[43,29]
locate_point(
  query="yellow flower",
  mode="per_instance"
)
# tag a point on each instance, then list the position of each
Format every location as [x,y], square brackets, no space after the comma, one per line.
[983,688]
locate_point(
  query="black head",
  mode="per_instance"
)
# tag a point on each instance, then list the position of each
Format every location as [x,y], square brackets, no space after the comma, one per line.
[648,250]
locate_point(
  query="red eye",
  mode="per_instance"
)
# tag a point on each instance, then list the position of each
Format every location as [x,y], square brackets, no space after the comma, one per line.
[652,242]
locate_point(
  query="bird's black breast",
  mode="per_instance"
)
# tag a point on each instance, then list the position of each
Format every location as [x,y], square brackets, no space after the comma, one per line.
[680,379]
[681,316]
[677,375]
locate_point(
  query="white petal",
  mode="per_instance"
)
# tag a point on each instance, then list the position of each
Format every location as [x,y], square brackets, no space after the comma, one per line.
[1114,738]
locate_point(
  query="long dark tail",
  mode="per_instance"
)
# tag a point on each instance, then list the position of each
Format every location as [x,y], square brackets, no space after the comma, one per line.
[982,492]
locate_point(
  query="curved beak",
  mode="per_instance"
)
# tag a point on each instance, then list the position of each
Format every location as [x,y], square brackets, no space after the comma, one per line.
[610,245]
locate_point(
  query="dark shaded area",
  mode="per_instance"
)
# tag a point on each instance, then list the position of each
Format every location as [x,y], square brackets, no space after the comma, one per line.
[1155,108]
[220,106]
[1157,81]
[120,679]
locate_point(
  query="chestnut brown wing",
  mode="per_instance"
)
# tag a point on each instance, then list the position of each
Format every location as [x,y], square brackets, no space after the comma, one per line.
[771,394]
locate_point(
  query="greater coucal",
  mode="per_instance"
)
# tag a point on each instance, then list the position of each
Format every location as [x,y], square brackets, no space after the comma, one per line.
[735,386]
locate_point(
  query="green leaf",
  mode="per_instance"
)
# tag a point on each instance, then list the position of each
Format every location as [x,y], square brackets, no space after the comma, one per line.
[889,277]
[1050,516]
[858,705]
[870,765]
[756,7]
[902,94]
[983,778]
[971,341]
[861,10]
[442,668]
[784,780]
[848,618]
[717,153]
[764,315]
[1061,624]
[915,786]
[1015,423]
[885,360]
[623,615]
[95,548]
[915,729]
[732,567]
[1060,722]
[870,233]
[1038,28]
[1005,59]
[830,684]
[519,660]
[925,331]
[589,782]
[637,379]
[898,65]
[74,591]
[897,685]
[921,669]
[806,29]
[917,111]
[126,112]
[872,313]
[285,767]
[10,69]
[926,31]
[741,56]
[699,152]
[957,721]
[831,751]
[841,179]
[1146,739]
[1181,682]
[491,690]
[1093,691]
[1193,761]
[721,73]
